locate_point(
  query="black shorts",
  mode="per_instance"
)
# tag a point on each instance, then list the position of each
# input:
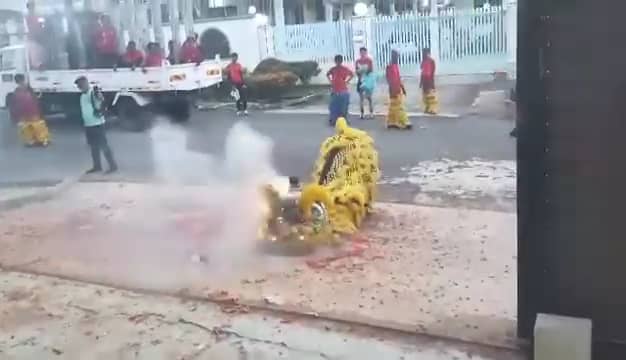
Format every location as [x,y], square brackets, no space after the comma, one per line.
[95,135]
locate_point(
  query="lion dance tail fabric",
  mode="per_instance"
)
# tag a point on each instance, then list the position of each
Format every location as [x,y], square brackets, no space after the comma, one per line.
[345,179]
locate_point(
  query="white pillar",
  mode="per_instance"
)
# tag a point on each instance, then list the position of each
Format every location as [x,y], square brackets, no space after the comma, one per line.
[188,17]
[279,12]
[142,30]
[174,21]
[510,19]
[416,4]
[434,30]
[130,19]
[115,13]
[392,7]
[157,25]
[329,12]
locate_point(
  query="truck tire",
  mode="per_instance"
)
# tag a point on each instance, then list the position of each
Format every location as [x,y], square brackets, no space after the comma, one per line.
[178,109]
[132,117]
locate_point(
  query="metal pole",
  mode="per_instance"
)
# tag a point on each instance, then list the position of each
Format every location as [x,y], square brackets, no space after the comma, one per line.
[157,24]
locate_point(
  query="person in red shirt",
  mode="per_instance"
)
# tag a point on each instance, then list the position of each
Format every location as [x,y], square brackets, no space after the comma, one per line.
[105,40]
[364,65]
[339,77]
[154,56]
[132,58]
[234,72]
[25,107]
[427,83]
[397,117]
[190,52]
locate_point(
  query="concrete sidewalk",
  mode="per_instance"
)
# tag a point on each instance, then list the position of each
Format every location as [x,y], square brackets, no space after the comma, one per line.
[454,100]
[439,271]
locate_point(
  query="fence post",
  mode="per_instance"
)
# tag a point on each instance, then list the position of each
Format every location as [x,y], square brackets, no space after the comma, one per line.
[361,33]
[434,30]
[510,20]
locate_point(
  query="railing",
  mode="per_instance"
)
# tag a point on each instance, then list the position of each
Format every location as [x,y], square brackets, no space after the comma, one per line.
[462,42]
[319,41]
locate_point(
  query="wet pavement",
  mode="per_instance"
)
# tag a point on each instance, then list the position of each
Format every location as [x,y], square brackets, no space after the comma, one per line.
[447,268]
[186,154]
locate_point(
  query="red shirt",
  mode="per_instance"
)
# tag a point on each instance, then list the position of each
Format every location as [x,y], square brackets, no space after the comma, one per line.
[133,57]
[190,53]
[364,63]
[26,106]
[106,40]
[154,59]
[427,79]
[235,73]
[338,78]
[394,80]
[428,68]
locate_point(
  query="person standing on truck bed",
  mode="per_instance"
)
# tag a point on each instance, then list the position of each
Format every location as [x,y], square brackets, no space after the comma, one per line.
[234,72]
[25,107]
[154,57]
[132,58]
[91,108]
[190,52]
[105,40]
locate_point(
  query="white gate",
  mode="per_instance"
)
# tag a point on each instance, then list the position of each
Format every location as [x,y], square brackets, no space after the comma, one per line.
[462,42]
[471,41]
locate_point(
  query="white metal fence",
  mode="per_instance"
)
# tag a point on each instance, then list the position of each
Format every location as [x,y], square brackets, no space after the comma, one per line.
[462,42]
[319,41]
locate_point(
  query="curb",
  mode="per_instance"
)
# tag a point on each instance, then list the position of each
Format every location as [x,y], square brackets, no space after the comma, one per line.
[44,194]
[354,113]
[261,106]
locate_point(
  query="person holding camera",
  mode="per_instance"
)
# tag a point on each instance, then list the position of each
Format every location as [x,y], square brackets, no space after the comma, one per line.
[92,111]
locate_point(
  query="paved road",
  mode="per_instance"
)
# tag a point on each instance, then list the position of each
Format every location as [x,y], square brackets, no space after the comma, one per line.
[184,153]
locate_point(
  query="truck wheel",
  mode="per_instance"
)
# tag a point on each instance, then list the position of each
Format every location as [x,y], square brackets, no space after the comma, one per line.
[179,110]
[132,117]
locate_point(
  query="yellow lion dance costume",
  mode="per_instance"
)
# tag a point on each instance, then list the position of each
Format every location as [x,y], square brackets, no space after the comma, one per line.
[344,181]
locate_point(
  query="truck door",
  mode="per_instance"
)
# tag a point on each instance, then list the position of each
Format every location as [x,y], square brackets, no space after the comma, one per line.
[8,69]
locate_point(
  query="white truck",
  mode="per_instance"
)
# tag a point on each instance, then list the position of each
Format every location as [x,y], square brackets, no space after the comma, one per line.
[130,94]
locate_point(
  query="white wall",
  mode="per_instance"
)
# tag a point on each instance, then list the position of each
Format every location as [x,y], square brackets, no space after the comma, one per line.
[242,34]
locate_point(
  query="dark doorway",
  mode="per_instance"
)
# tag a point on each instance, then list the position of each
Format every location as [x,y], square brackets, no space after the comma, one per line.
[214,42]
